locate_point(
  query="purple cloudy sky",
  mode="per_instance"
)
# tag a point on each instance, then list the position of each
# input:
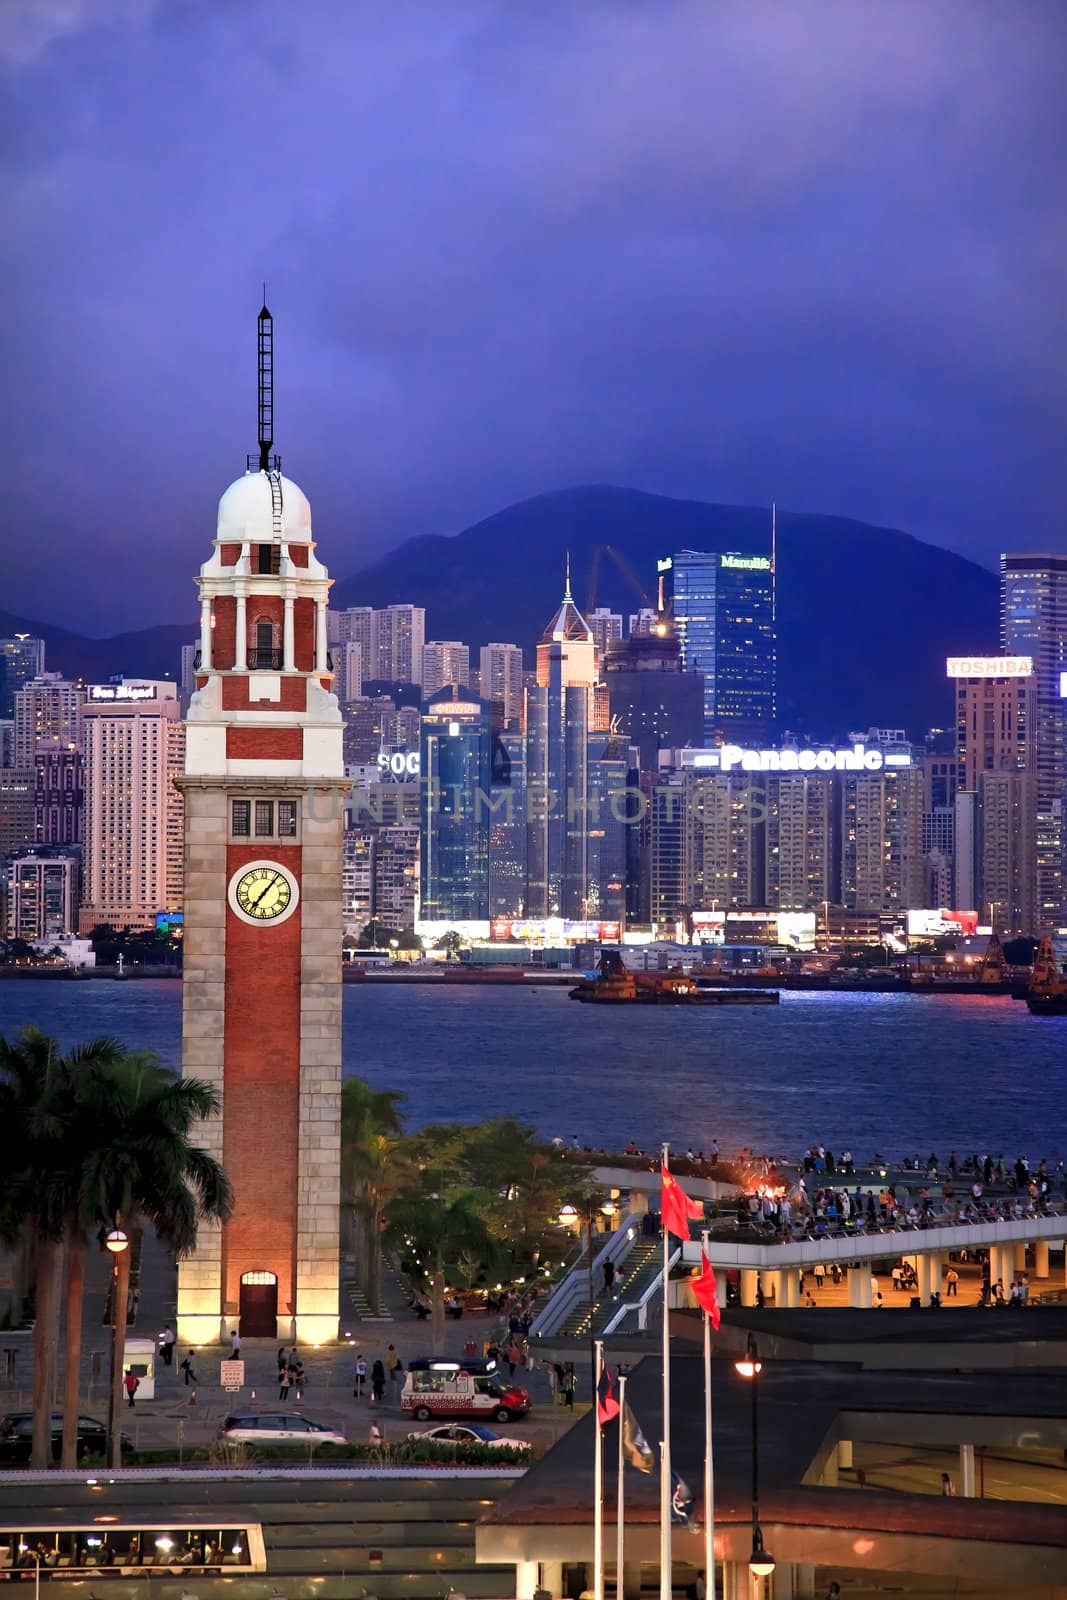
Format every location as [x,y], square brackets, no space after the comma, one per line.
[734,249]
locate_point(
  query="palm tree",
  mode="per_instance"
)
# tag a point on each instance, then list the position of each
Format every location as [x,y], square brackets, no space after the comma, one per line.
[142,1166]
[39,1155]
[374,1168]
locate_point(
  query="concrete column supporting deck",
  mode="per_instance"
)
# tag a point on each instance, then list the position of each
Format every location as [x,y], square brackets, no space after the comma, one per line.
[1020,1257]
[737,1581]
[967,1471]
[749,1280]
[552,1577]
[860,1293]
[1001,1266]
[790,1288]
[1040,1258]
[929,1273]
[771,1284]
[844,1455]
[525,1579]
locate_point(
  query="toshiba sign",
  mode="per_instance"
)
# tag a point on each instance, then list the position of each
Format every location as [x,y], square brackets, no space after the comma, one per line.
[990,666]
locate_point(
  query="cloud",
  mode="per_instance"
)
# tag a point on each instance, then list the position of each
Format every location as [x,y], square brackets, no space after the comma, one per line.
[785,248]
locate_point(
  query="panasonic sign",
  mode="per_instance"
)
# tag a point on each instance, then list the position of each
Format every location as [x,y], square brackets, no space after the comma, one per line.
[858,758]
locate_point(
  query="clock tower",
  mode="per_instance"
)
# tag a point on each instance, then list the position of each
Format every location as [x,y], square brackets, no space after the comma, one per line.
[264,790]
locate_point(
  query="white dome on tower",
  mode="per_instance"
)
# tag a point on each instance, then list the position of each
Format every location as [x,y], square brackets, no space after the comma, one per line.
[246,510]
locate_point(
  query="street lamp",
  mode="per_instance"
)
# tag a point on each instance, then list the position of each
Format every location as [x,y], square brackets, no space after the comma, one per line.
[117,1241]
[761,1562]
[570,1217]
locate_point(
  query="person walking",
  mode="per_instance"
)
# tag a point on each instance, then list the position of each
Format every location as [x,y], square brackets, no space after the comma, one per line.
[235,1345]
[948,1488]
[131,1383]
[166,1345]
[299,1380]
[377,1383]
[285,1380]
[187,1369]
[609,1276]
[359,1378]
[282,1361]
[819,1272]
[376,1435]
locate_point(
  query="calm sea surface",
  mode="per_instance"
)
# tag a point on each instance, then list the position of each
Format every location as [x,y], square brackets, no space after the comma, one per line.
[894,1073]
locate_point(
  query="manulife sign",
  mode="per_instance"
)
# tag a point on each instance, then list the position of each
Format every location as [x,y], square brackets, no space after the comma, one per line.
[747,563]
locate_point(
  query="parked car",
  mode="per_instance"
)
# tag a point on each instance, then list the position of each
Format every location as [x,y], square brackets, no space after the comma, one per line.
[469,1433]
[16,1437]
[277,1427]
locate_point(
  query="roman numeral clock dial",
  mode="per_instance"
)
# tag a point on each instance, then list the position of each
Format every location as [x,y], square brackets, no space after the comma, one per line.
[263,893]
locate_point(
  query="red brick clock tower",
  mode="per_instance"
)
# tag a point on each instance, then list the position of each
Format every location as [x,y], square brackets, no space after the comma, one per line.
[263,787]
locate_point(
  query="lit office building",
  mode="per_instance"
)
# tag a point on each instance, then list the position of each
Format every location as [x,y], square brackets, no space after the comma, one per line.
[727,839]
[1033,622]
[42,899]
[996,706]
[500,679]
[348,670]
[652,700]
[134,749]
[610,764]
[507,829]
[723,605]
[21,659]
[444,662]
[357,880]
[17,821]
[48,715]
[396,875]
[456,760]
[1007,880]
[560,715]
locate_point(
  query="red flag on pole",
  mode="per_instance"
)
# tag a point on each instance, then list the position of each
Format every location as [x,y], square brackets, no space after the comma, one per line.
[704,1290]
[606,1404]
[678,1209]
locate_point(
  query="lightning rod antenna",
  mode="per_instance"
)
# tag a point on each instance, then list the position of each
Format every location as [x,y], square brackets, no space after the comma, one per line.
[265,328]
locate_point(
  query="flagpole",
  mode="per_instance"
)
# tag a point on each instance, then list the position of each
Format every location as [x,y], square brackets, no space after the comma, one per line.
[620,1520]
[598,1477]
[709,1470]
[665,1442]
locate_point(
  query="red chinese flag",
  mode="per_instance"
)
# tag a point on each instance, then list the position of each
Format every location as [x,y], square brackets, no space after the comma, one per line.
[704,1287]
[678,1209]
[606,1404]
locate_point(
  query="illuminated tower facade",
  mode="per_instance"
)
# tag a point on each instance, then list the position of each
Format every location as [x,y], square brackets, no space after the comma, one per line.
[263,786]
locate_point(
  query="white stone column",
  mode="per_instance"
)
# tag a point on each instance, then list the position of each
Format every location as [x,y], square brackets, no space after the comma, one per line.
[934,1266]
[1000,1268]
[320,636]
[771,1283]
[637,1205]
[790,1287]
[1040,1258]
[967,1471]
[525,1579]
[205,635]
[288,646]
[783,1585]
[860,1293]
[737,1581]
[844,1455]
[240,637]
[749,1280]
[803,1581]
[1019,1257]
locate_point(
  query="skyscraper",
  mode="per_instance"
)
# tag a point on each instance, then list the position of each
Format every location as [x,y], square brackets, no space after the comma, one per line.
[559,719]
[652,700]
[606,627]
[1033,622]
[723,606]
[500,679]
[444,662]
[457,771]
[135,746]
[48,715]
[882,865]
[400,634]
[348,667]
[803,840]
[43,896]
[21,659]
[59,799]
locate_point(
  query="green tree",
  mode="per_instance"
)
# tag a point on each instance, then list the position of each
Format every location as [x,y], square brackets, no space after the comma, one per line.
[451,943]
[374,1167]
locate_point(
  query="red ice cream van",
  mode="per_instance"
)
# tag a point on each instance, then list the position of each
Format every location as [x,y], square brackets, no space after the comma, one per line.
[471,1387]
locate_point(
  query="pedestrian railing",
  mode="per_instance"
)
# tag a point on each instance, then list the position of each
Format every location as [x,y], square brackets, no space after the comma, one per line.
[640,1305]
[574,1289]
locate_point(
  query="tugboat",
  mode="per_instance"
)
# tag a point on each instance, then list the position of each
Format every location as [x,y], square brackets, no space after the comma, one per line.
[1047,994]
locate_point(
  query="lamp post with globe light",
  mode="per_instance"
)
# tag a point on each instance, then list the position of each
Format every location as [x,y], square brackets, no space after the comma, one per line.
[118,1243]
[761,1562]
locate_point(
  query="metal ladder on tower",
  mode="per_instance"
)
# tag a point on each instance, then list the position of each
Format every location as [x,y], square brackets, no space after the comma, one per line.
[276,502]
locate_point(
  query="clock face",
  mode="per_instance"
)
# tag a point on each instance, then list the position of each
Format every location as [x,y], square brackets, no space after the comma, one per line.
[263,893]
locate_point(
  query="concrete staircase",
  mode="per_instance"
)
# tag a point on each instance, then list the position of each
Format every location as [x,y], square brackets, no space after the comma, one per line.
[640,1267]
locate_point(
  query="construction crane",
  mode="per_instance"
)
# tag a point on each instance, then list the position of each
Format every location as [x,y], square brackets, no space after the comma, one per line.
[627,571]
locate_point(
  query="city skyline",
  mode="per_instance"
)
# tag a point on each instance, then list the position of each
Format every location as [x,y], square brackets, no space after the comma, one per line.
[769,351]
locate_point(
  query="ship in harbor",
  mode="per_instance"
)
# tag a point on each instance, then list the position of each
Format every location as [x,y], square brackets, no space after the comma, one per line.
[1047,994]
[614,984]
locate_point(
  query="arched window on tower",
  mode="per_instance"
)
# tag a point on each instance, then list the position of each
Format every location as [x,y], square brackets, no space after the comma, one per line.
[263,653]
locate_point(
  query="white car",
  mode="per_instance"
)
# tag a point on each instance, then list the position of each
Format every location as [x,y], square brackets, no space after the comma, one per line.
[277,1427]
[470,1433]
